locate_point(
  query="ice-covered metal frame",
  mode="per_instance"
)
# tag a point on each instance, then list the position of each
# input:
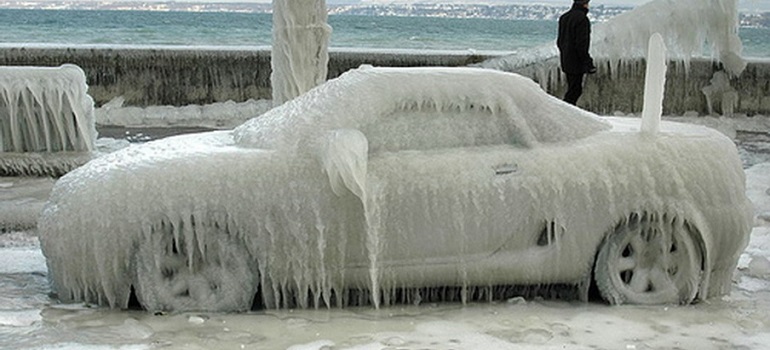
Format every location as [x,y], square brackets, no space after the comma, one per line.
[394,184]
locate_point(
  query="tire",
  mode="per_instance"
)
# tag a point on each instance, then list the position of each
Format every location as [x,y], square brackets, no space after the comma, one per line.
[220,276]
[649,261]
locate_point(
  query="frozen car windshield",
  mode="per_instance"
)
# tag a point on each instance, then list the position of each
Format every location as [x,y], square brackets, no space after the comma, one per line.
[423,108]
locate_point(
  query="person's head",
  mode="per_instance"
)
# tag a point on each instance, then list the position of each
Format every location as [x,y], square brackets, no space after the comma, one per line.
[582,3]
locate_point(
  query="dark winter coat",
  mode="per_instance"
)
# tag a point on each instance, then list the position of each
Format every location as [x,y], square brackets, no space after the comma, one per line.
[574,40]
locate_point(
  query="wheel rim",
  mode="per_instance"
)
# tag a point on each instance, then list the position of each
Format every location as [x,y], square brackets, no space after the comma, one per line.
[217,276]
[651,263]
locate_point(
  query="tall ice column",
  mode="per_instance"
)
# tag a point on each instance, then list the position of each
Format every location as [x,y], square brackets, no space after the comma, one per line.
[300,52]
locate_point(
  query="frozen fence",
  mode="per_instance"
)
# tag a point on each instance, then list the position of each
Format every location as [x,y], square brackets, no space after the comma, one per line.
[44,110]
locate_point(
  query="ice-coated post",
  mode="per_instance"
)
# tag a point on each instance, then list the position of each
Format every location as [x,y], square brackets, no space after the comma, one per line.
[654,85]
[300,52]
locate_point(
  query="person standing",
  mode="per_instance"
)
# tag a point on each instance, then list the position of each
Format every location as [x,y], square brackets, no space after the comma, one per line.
[573,41]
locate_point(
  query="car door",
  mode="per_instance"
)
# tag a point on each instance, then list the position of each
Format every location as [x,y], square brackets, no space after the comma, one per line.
[444,188]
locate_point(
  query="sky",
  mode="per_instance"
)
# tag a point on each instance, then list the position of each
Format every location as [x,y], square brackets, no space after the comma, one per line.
[743,5]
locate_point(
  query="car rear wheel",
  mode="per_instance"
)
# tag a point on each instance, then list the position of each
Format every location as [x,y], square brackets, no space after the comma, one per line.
[212,273]
[649,260]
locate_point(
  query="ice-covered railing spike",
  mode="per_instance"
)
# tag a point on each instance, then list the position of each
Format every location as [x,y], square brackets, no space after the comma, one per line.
[654,85]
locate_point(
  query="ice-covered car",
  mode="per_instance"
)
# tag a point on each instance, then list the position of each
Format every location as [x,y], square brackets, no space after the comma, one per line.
[394,184]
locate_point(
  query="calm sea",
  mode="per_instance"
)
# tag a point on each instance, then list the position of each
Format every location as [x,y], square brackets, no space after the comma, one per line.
[249,29]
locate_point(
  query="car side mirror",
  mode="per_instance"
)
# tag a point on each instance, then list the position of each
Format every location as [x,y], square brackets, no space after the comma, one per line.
[343,156]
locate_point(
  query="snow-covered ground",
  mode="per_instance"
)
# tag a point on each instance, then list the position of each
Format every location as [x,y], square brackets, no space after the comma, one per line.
[30,319]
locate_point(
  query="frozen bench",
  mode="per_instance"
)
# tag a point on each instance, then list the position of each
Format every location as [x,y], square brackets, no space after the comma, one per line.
[47,124]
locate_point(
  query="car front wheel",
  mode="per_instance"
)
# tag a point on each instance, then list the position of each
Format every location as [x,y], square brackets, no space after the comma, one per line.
[208,271]
[649,260]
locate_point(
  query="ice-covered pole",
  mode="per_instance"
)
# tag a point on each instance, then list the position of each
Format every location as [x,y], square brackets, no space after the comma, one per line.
[654,85]
[300,53]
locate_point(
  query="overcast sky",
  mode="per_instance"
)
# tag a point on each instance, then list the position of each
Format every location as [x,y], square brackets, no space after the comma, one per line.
[744,5]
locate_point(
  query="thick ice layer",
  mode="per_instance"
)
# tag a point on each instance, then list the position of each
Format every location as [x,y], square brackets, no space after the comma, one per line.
[687,28]
[216,115]
[720,93]
[520,111]
[384,184]
[300,47]
[45,109]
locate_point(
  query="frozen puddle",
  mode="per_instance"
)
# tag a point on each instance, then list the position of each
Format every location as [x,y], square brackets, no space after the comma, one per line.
[731,323]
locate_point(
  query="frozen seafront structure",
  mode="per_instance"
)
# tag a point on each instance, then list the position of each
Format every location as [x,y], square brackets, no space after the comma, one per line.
[686,26]
[47,122]
[689,29]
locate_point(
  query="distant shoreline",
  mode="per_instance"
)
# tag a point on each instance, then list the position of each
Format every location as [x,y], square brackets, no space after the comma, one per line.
[599,13]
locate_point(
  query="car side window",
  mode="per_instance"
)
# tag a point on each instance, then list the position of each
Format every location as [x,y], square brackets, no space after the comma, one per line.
[427,128]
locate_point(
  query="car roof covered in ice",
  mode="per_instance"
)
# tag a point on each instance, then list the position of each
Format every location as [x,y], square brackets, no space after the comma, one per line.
[369,97]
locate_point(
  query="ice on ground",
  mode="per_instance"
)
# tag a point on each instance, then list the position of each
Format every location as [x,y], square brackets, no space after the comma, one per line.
[21,200]
[758,191]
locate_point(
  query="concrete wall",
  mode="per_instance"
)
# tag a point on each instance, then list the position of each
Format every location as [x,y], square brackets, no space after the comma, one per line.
[169,76]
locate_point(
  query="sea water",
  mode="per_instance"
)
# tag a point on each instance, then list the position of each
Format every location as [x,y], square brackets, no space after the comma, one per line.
[98,27]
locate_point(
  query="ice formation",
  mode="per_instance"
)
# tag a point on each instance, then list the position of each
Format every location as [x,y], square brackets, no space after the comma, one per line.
[387,185]
[687,26]
[44,110]
[720,91]
[655,83]
[218,115]
[300,47]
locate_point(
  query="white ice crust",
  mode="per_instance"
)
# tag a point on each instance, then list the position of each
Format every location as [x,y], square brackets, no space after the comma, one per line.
[655,82]
[390,178]
[47,124]
[300,47]
[45,109]
[690,28]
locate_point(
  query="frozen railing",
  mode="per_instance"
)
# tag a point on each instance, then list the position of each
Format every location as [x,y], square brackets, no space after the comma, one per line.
[44,110]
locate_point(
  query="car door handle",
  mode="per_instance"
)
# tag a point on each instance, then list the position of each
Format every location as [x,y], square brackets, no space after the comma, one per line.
[506,168]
